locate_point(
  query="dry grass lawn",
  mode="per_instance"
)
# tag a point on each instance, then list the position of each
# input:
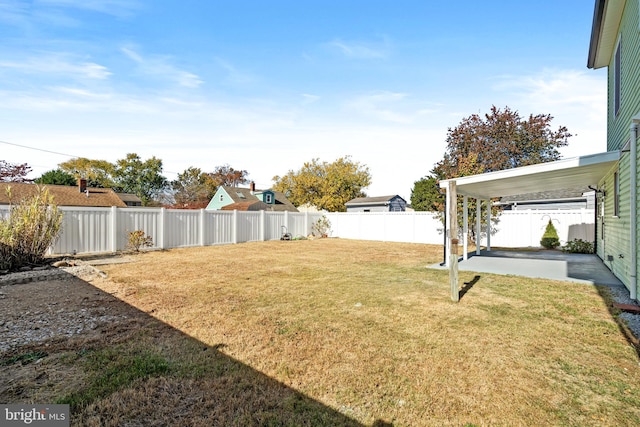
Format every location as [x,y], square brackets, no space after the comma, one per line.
[365,329]
[331,331]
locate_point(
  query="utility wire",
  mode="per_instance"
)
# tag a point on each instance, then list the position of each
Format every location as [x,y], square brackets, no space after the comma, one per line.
[38,149]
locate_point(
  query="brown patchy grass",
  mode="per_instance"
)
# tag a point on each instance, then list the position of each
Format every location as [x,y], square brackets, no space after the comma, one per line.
[330,332]
[366,329]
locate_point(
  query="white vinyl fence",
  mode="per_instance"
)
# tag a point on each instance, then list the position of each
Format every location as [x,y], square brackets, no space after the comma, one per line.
[513,229]
[95,230]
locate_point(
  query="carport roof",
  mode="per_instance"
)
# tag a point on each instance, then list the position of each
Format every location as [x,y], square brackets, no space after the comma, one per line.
[573,172]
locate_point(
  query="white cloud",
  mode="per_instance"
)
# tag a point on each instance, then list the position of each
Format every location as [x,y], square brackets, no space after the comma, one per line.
[360,50]
[576,99]
[387,106]
[118,8]
[161,66]
[59,64]
[309,99]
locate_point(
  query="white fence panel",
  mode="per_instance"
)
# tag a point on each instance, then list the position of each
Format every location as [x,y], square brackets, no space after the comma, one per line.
[219,227]
[248,226]
[84,230]
[411,227]
[148,220]
[300,223]
[525,228]
[182,228]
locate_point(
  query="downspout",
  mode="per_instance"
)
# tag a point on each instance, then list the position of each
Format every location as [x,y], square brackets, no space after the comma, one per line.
[633,220]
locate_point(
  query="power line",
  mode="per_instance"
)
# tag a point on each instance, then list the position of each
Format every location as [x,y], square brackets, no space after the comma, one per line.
[37,149]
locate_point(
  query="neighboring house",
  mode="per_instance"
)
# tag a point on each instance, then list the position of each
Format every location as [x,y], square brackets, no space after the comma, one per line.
[570,198]
[129,199]
[249,199]
[393,203]
[615,44]
[63,195]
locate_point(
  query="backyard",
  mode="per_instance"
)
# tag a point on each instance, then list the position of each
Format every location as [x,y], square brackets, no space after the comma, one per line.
[324,332]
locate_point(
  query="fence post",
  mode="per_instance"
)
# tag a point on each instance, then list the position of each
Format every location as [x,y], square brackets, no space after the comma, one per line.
[114,229]
[263,225]
[161,231]
[286,219]
[234,237]
[202,229]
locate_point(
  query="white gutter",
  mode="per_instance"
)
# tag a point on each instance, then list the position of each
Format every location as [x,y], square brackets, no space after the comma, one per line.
[633,220]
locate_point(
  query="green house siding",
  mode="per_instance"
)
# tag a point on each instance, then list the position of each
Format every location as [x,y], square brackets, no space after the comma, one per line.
[629,35]
[219,200]
[616,250]
[617,229]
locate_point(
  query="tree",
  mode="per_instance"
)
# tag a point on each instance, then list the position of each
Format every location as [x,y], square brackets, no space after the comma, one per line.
[56,177]
[325,185]
[500,140]
[193,189]
[425,195]
[98,173]
[12,172]
[226,175]
[144,179]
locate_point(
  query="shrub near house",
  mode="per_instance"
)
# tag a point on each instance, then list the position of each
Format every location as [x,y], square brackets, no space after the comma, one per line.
[550,239]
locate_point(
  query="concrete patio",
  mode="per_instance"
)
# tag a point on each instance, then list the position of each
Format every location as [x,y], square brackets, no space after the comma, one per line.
[555,265]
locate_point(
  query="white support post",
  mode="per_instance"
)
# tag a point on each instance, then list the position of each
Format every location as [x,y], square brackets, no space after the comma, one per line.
[465,228]
[447,231]
[263,226]
[478,225]
[488,225]
[452,211]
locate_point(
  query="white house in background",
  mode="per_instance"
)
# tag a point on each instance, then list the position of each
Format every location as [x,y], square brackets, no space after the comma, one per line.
[393,203]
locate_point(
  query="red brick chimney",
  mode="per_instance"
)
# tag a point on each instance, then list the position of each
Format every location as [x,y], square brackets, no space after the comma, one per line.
[82,184]
[252,187]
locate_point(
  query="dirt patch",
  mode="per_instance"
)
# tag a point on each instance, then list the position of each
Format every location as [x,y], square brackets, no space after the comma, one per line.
[47,321]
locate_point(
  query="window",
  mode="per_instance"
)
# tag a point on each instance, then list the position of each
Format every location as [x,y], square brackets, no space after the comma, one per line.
[616,194]
[268,198]
[222,197]
[616,79]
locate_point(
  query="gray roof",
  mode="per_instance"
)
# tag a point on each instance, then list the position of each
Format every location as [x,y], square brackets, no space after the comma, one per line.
[564,194]
[380,200]
[241,195]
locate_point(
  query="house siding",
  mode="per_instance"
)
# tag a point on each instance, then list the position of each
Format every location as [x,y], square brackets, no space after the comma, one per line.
[617,232]
[629,34]
[216,204]
[616,251]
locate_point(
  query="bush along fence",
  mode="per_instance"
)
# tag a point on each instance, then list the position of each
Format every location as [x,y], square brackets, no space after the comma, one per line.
[95,230]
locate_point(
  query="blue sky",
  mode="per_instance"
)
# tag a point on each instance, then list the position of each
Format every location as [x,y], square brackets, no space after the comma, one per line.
[268,85]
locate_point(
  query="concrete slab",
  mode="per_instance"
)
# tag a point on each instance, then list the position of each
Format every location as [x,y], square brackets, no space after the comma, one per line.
[555,265]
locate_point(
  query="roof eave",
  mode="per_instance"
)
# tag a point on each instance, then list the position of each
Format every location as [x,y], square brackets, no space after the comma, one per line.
[604,32]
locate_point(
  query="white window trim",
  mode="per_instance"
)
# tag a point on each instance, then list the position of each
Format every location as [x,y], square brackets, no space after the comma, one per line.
[617,72]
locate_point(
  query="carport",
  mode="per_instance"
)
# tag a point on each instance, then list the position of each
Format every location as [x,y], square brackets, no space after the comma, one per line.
[558,175]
